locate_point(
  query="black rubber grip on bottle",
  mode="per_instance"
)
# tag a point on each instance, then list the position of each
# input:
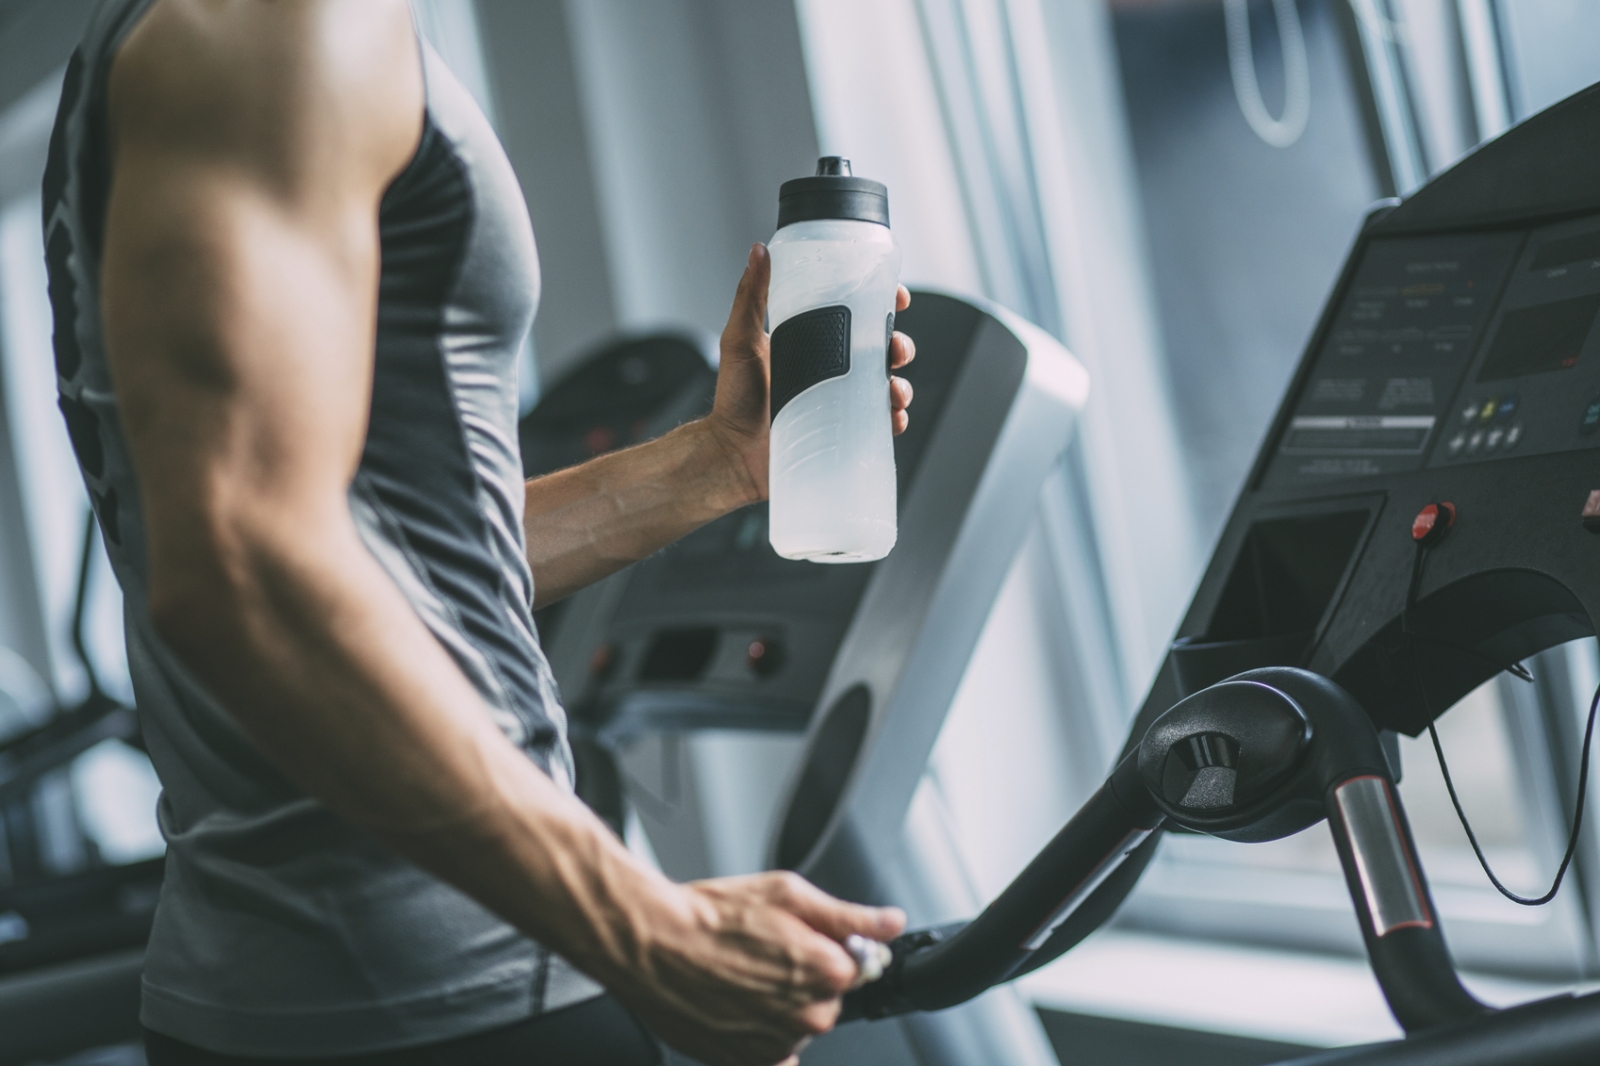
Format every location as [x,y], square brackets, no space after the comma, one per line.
[808,348]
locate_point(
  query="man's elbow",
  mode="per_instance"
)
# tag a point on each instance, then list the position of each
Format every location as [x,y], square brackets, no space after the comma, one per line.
[210,575]
[196,603]
[227,581]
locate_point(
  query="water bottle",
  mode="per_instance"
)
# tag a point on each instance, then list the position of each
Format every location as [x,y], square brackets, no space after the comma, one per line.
[835,269]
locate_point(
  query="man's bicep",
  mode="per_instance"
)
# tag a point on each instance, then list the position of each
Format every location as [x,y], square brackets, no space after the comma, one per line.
[239,339]
[251,147]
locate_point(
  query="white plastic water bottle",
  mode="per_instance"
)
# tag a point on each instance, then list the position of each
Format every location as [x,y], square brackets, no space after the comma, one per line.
[835,269]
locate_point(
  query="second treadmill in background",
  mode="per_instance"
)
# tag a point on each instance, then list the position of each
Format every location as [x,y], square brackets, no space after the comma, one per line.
[700,669]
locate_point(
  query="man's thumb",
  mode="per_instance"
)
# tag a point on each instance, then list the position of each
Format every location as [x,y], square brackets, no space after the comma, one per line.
[747,322]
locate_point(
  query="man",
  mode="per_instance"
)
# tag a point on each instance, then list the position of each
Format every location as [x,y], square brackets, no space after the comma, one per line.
[290,269]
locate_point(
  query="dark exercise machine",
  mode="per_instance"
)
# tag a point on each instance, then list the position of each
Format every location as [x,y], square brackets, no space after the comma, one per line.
[718,633]
[71,947]
[1423,515]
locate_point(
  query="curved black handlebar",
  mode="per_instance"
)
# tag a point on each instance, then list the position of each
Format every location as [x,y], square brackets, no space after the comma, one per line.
[1257,757]
[938,968]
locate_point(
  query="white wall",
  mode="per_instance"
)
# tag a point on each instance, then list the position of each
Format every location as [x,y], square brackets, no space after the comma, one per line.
[694,116]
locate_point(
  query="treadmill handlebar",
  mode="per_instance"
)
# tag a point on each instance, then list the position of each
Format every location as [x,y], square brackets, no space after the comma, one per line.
[1257,757]
[1398,919]
[936,968]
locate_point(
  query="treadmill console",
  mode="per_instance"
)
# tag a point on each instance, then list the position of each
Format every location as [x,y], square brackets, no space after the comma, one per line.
[1454,349]
[1457,360]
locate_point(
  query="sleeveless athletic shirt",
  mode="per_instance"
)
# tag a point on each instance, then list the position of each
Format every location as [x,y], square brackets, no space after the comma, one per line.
[281,930]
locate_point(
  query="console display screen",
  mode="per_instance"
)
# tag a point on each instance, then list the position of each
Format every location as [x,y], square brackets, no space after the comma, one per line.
[1536,340]
[1395,351]
[1452,348]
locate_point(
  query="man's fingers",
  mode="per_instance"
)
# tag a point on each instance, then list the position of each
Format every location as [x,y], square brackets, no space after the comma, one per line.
[900,393]
[747,320]
[820,1017]
[902,349]
[825,970]
[902,298]
[834,917]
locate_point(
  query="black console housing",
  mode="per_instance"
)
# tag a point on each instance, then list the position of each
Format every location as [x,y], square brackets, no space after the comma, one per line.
[1457,360]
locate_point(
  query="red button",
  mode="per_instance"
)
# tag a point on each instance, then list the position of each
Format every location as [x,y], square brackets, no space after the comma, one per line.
[1433,522]
[764,656]
[1591,512]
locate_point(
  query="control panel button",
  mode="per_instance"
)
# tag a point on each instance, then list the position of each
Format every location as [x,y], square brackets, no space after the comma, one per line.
[1591,512]
[1513,435]
[1492,440]
[1490,406]
[1591,417]
[1455,445]
[1508,407]
[764,656]
[1433,522]
[1469,413]
[603,662]
[1475,442]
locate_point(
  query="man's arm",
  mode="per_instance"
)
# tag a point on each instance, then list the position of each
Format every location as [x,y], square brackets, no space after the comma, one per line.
[593,519]
[252,145]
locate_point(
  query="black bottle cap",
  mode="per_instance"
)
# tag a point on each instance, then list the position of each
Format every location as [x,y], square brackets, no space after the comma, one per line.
[833,192]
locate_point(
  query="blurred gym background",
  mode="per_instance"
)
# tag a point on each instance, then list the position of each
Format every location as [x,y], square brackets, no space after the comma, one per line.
[1168,186]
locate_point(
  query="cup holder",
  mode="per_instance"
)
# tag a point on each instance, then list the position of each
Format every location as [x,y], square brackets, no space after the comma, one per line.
[1198,663]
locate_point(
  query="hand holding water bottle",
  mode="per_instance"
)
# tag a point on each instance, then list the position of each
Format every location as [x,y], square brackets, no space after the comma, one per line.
[828,463]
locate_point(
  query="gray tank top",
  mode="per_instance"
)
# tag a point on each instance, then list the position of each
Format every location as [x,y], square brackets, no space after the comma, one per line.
[282,931]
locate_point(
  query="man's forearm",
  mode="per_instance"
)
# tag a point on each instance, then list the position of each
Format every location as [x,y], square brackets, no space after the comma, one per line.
[591,520]
[312,649]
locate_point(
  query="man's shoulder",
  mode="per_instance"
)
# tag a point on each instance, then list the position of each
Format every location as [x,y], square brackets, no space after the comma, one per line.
[273,86]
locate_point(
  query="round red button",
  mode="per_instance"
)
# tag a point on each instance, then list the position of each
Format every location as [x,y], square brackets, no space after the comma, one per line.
[1433,522]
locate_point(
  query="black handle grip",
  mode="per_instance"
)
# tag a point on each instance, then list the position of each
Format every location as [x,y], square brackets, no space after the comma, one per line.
[938,968]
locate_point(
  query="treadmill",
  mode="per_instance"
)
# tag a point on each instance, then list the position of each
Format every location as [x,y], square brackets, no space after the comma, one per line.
[1423,514]
[71,945]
